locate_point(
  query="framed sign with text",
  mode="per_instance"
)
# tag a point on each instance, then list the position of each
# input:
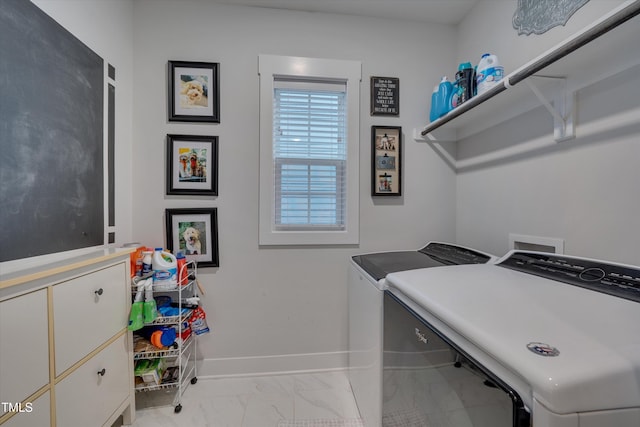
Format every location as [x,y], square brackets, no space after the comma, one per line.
[385,96]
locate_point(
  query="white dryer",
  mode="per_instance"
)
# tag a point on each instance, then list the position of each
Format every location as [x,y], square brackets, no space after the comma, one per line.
[366,284]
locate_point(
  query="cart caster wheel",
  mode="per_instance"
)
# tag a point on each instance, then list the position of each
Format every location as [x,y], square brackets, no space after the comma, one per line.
[178,408]
[194,380]
[457,365]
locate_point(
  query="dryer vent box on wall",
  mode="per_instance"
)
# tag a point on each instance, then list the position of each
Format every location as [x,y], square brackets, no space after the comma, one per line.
[536,243]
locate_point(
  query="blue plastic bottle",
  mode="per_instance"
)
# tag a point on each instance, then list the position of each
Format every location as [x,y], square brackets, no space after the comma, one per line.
[443,97]
[435,112]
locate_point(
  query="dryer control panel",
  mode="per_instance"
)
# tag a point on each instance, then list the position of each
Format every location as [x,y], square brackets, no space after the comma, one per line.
[613,279]
[454,255]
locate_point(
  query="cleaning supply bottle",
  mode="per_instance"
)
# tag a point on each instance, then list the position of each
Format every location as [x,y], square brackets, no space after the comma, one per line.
[443,98]
[434,113]
[136,316]
[464,84]
[165,269]
[183,274]
[150,311]
[489,72]
[475,82]
[147,259]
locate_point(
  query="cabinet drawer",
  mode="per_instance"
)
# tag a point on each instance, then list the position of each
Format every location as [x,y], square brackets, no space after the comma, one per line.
[87,311]
[24,363]
[36,414]
[86,398]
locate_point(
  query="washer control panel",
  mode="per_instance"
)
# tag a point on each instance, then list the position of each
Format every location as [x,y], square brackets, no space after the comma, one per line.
[613,279]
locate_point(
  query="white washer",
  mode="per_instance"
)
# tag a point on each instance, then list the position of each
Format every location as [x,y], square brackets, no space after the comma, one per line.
[366,285]
[558,332]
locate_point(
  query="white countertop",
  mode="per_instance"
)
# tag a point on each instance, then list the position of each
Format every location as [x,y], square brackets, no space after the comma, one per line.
[38,271]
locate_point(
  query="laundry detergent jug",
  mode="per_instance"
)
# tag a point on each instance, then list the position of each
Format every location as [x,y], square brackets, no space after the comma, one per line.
[165,270]
[489,73]
[441,99]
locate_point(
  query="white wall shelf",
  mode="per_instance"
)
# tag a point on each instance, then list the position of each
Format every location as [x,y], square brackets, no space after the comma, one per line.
[602,49]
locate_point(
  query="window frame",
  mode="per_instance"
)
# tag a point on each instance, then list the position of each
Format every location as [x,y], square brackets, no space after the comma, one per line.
[272,68]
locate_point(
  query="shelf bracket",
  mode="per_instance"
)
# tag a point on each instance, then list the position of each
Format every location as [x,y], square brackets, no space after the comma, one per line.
[433,141]
[562,109]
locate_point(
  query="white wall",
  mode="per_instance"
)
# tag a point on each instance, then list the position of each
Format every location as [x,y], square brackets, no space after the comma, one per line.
[583,190]
[266,306]
[106,26]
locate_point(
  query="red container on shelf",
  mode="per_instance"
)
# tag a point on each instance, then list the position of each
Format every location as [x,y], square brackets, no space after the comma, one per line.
[183,274]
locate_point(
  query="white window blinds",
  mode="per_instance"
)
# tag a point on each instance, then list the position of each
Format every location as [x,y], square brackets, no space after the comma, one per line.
[309,155]
[309,150]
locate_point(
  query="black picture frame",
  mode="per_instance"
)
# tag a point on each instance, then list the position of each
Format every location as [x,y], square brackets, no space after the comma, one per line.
[386,160]
[385,96]
[194,91]
[192,165]
[194,232]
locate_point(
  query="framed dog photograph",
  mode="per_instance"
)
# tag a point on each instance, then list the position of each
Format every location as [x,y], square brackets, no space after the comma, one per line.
[194,232]
[386,172]
[192,165]
[194,92]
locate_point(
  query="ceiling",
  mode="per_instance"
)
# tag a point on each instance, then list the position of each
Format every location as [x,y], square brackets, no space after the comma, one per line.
[432,11]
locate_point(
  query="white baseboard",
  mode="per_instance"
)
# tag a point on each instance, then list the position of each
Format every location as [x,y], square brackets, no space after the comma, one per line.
[271,365]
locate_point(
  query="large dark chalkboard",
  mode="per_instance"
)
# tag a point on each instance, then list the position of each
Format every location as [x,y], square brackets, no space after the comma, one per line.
[51,136]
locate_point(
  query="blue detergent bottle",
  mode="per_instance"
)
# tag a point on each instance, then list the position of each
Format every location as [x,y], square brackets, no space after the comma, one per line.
[435,112]
[443,97]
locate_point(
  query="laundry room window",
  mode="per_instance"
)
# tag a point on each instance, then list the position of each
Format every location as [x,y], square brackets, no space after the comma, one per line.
[309,121]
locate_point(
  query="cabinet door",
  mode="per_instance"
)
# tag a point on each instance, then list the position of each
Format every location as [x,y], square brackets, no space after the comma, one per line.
[87,312]
[38,413]
[89,395]
[24,341]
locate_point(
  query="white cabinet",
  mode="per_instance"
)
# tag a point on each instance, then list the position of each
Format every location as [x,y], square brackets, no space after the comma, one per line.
[66,356]
[87,311]
[24,337]
[100,381]
[38,413]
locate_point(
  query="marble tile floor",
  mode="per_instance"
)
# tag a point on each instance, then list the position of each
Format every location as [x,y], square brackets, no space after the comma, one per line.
[321,399]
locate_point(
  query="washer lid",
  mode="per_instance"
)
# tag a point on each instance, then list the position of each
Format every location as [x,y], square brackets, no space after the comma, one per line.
[435,254]
[579,350]
[380,264]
